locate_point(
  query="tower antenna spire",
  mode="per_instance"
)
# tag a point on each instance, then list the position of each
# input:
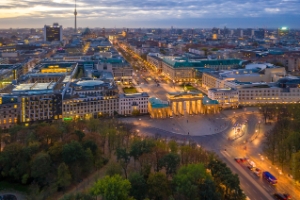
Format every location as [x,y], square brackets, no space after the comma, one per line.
[75,14]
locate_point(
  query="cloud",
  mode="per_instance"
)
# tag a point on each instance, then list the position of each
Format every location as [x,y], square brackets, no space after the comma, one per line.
[147,10]
[272,10]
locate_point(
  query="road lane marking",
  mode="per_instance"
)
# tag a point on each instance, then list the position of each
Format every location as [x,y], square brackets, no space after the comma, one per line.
[246,175]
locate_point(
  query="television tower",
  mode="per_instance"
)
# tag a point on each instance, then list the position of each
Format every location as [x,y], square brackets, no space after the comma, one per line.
[75,14]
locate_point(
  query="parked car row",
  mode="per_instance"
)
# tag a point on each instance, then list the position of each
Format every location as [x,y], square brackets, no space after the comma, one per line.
[271,179]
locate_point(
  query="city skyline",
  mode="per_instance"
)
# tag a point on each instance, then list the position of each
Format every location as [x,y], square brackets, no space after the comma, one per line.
[186,14]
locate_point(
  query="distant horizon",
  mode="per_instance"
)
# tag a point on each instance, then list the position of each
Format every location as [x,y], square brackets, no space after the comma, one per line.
[151,13]
[151,27]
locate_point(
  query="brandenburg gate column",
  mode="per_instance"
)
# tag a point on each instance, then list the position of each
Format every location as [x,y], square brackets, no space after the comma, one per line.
[194,104]
[174,107]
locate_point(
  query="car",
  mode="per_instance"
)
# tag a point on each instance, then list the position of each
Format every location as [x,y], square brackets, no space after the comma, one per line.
[257,171]
[287,196]
[8,197]
[279,196]
[250,167]
[238,160]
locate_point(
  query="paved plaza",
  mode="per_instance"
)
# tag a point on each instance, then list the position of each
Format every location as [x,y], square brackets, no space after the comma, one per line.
[197,125]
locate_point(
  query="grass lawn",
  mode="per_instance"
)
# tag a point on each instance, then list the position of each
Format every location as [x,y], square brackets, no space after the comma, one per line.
[188,87]
[130,90]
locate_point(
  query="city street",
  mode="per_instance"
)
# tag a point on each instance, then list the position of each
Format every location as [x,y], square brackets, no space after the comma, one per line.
[231,134]
[225,143]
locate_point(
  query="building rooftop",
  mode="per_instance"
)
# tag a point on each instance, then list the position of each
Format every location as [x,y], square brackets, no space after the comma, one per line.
[89,83]
[134,95]
[34,88]
[183,62]
[157,103]
[222,89]
[208,101]
[58,65]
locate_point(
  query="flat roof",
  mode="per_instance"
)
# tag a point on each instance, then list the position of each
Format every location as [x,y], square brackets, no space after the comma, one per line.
[193,63]
[58,64]
[134,95]
[157,103]
[32,88]
[208,101]
[222,89]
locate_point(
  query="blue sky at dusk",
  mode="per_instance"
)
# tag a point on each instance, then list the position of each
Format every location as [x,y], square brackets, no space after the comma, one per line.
[151,13]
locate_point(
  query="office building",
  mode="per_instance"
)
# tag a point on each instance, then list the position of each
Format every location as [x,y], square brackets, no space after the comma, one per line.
[9,110]
[53,33]
[133,104]
[227,97]
[156,61]
[254,86]
[259,34]
[185,70]
[89,98]
[121,70]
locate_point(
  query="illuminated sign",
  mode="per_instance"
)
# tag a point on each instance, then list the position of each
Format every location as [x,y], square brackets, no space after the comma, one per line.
[67,119]
[284,28]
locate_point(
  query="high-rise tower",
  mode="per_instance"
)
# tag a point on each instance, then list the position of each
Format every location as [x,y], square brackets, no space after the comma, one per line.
[75,13]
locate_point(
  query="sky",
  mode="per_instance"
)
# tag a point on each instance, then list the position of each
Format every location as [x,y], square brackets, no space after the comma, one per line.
[151,13]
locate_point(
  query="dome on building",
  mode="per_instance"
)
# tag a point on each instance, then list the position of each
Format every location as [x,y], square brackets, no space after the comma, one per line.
[89,83]
[87,31]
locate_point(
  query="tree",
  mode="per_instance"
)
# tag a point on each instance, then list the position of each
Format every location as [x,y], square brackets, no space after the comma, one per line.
[89,160]
[15,161]
[124,158]
[223,177]
[78,196]
[63,176]
[138,186]
[91,145]
[158,186]
[80,135]
[208,190]
[173,145]
[296,165]
[114,169]
[73,153]
[40,167]
[55,152]
[139,147]
[112,188]
[171,162]
[188,179]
